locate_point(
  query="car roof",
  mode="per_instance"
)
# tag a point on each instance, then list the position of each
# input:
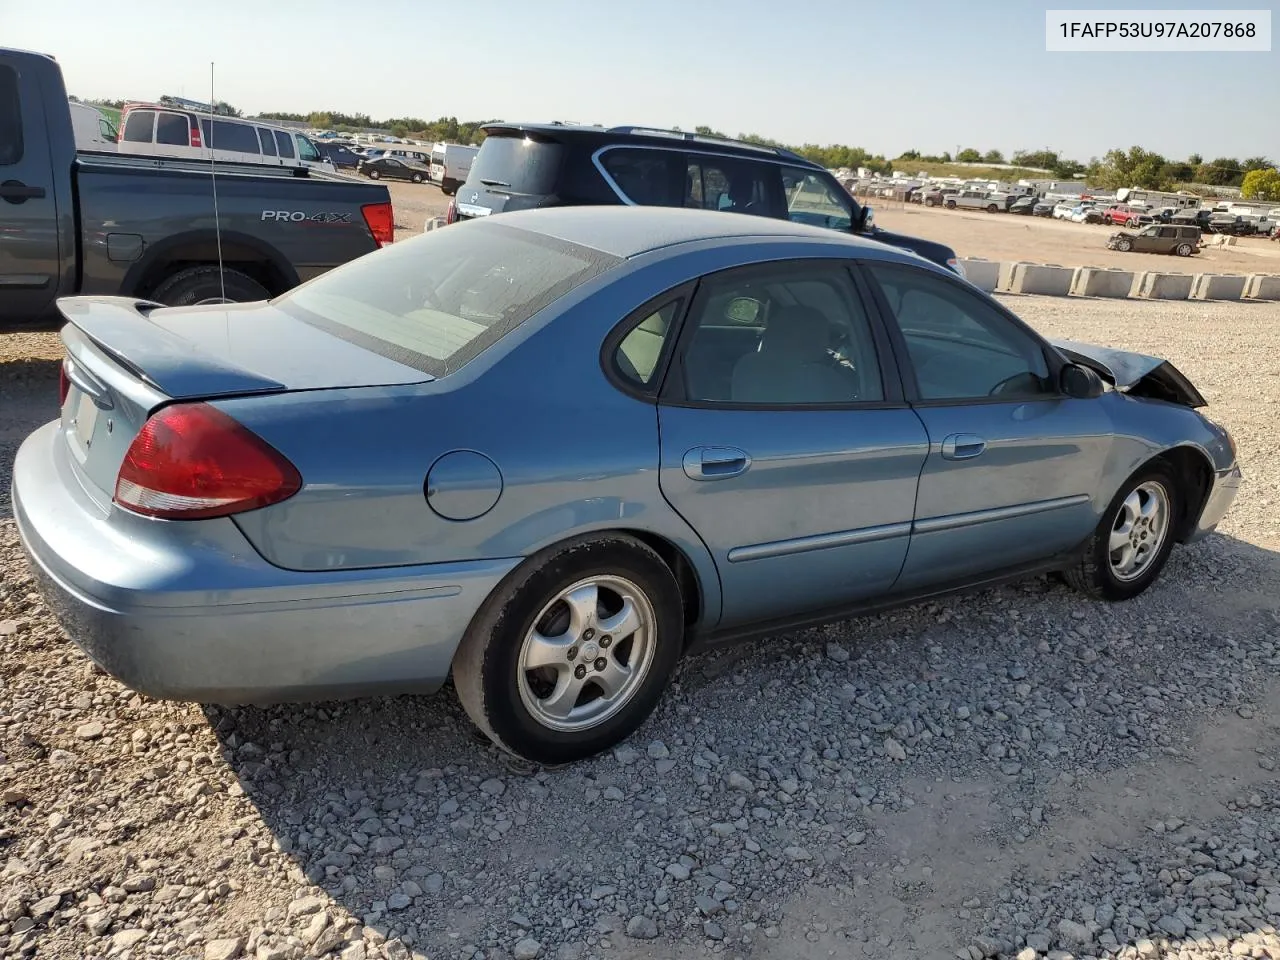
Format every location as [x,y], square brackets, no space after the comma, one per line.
[628,231]
[648,136]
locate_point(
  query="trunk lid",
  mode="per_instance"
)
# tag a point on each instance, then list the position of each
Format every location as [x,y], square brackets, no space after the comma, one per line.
[514,170]
[126,357]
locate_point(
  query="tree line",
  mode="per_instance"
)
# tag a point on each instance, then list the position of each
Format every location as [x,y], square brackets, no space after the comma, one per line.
[1257,177]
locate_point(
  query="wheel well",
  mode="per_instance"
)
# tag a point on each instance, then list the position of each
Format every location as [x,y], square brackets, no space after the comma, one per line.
[686,577]
[1196,473]
[202,253]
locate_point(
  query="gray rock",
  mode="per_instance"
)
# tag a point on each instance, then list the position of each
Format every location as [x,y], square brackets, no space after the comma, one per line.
[742,784]
[493,787]
[894,750]
[90,731]
[641,927]
[657,750]
[626,755]
[227,949]
[708,906]
[677,871]
[305,906]
[399,901]
[1172,926]
[837,653]
[713,930]
[527,949]
[1074,934]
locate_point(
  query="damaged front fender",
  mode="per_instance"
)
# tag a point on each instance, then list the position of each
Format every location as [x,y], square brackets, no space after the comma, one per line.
[1136,374]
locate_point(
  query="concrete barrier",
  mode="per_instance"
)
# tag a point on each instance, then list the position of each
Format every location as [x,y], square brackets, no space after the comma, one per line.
[1217,286]
[1261,286]
[1163,286]
[1005,280]
[1048,279]
[983,274]
[1100,282]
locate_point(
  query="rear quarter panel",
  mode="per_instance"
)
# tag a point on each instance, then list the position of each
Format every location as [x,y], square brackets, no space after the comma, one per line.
[131,217]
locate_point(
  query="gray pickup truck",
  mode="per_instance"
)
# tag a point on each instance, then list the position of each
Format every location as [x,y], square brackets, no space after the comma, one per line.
[157,228]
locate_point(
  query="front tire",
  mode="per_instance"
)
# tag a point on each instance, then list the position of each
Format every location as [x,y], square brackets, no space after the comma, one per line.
[1124,245]
[571,653]
[417,178]
[374,174]
[1133,541]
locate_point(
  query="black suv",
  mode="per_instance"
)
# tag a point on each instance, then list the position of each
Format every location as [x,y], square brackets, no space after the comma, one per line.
[521,166]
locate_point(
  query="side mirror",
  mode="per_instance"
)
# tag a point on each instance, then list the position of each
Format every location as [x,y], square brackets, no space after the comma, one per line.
[868,220]
[1080,383]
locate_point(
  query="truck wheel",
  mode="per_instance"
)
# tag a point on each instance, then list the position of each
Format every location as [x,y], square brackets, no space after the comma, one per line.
[992,208]
[198,285]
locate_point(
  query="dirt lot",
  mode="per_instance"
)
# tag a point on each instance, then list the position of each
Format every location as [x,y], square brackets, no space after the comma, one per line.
[990,236]
[1004,774]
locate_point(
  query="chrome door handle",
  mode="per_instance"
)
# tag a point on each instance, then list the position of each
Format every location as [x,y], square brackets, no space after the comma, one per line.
[962,446]
[715,463]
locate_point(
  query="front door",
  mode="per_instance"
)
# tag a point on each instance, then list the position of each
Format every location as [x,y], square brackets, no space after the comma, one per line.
[786,444]
[30,257]
[1014,467]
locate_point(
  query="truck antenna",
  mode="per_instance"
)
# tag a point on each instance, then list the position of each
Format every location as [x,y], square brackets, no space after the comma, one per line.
[213,177]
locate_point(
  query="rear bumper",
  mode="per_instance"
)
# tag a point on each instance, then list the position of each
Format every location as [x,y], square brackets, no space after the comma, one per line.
[187,610]
[1226,484]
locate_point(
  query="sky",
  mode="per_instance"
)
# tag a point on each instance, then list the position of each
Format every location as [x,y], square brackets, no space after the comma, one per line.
[932,75]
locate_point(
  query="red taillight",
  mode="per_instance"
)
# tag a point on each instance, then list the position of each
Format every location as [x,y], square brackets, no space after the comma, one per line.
[381,222]
[195,132]
[191,461]
[64,385]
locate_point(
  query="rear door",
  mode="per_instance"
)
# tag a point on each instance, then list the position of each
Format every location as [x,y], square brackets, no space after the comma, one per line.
[785,442]
[30,252]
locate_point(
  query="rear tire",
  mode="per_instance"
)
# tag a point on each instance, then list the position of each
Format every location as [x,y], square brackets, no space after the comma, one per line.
[449,187]
[951,204]
[1137,529]
[992,208]
[549,714]
[374,174]
[416,178]
[196,285]
[1183,250]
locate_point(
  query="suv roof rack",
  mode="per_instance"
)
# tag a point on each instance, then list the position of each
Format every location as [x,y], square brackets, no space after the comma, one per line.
[705,138]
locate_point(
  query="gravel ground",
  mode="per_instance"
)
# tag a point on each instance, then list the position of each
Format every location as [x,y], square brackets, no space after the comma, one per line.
[1017,773]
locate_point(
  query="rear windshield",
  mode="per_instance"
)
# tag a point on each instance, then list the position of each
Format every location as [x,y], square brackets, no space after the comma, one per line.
[440,299]
[517,164]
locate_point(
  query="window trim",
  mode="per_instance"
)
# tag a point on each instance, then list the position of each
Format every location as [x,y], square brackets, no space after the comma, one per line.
[672,392]
[1054,361]
[685,293]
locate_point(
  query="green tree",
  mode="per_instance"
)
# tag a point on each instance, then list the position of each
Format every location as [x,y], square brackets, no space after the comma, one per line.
[1222,172]
[1261,184]
[1134,167]
[399,130]
[1041,159]
[968,155]
[993,156]
[1195,160]
[1256,163]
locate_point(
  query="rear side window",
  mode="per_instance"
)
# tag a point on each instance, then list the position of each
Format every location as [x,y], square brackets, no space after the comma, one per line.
[139,126]
[240,137]
[641,349]
[734,186]
[10,118]
[440,299]
[173,129]
[517,164]
[268,141]
[650,178]
[285,142]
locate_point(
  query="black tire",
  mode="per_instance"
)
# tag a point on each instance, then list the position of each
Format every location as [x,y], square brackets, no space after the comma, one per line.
[929,202]
[1183,250]
[416,178]
[199,284]
[486,666]
[449,187]
[992,208]
[951,204]
[373,174]
[1124,245]
[1093,575]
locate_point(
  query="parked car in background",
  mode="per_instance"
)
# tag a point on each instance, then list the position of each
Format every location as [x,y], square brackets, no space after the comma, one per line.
[93,131]
[976,200]
[1085,213]
[1158,238]
[163,130]
[1023,206]
[1062,211]
[1043,208]
[342,157]
[450,165]
[936,196]
[394,168]
[520,166]
[1123,214]
[143,227]
[781,406]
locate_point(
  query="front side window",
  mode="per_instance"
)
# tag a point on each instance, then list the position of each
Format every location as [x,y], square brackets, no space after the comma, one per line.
[139,126]
[438,300]
[961,348]
[307,150]
[783,334]
[10,118]
[813,199]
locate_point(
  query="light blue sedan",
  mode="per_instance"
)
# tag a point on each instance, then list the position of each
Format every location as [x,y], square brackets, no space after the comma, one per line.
[551,452]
